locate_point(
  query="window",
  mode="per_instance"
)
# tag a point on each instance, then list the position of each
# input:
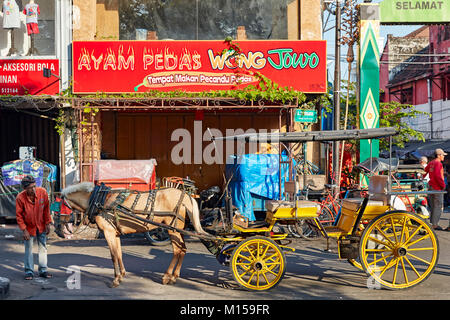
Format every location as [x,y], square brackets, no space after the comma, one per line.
[406,96]
[203,19]
[20,35]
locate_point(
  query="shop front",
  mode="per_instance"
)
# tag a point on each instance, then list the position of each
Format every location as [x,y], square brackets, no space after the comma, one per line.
[161,114]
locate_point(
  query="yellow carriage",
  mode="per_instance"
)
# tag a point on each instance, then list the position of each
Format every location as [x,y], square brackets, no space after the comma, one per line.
[398,249]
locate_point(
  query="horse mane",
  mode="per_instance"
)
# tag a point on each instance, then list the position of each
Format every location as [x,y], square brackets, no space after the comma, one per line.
[84,186]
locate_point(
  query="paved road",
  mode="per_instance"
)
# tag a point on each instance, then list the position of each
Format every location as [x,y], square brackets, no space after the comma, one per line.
[311,274]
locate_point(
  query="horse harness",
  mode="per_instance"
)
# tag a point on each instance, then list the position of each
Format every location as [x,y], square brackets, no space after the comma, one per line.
[97,207]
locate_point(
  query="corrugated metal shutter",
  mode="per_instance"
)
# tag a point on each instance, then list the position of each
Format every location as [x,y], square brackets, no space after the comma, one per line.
[19,129]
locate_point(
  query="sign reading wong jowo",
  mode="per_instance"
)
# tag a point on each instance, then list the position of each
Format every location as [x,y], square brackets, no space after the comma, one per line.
[194,66]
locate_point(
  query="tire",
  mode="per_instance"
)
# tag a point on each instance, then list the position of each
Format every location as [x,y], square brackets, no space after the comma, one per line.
[326,219]
[258,263]
[398,250]
[157,237]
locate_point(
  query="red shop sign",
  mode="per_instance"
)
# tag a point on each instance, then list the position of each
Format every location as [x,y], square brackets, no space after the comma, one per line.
[139,66]
[26,76]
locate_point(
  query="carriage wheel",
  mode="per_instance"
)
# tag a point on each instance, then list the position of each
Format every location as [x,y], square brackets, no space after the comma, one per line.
[158,237]
[398,250]
[258,263]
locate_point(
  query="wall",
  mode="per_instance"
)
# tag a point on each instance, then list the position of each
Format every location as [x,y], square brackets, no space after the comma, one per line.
[401,49]
[99,19]
[86,20]
[107,20]
[310,20]
[145,135]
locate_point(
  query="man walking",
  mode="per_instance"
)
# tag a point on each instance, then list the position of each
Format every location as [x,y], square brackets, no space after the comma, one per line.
[33,218]
[435,171]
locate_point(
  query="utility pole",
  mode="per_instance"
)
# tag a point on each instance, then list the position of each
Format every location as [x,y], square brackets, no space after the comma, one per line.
[336,92]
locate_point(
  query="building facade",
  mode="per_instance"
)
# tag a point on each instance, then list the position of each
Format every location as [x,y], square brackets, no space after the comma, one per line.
[415,70]
[122,129]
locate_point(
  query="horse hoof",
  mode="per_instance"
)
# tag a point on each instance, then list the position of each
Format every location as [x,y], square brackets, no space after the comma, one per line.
[167,279]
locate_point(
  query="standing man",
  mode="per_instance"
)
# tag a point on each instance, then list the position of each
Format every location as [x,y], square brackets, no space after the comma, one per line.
[33,218]
[435,171]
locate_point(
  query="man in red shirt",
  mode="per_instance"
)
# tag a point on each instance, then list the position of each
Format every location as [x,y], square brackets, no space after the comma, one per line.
[33,218]
[435,171]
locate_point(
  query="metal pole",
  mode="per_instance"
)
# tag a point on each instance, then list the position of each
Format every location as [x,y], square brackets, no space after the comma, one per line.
[390,163]
[337,90]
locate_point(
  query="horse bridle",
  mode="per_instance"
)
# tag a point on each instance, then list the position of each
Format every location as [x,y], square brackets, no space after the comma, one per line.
[97,201]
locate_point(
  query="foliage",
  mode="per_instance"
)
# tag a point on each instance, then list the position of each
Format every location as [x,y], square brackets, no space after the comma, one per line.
[391,115]
[60,122]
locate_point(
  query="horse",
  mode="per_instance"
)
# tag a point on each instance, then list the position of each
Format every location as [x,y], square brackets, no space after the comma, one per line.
[169,206]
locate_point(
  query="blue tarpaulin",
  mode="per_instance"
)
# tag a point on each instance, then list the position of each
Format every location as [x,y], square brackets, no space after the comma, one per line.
[11,175]
[14,171]
[255,175]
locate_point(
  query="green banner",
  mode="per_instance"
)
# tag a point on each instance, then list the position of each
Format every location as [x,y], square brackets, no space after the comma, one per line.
[415,11]
[369,64]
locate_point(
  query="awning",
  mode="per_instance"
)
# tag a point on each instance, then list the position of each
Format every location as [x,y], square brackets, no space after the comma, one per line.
[328,135]
[417,149]
[428,148]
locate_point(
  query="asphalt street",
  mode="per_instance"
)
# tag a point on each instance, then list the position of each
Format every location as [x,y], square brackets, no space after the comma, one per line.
[311,273]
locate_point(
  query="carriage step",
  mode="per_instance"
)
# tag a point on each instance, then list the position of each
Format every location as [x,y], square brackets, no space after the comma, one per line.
[258,224]
[333,231]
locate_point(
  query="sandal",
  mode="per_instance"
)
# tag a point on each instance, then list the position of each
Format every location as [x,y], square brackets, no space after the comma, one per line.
[439,228]
[46,275]
[29,277]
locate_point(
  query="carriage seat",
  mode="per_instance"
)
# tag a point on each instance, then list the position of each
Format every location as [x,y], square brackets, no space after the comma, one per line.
[274,205]
[377,194]
[353,204]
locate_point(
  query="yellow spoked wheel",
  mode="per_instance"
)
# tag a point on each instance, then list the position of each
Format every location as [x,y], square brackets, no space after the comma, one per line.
[258,263]
[398,250]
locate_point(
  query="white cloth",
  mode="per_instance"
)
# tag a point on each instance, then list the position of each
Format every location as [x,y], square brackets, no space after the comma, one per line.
[11,14]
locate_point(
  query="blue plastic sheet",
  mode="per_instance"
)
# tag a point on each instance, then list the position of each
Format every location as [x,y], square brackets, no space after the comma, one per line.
[255,175]
[11,175]
[14,171]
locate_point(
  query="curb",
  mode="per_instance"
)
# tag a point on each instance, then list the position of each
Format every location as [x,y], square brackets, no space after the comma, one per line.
[4,287]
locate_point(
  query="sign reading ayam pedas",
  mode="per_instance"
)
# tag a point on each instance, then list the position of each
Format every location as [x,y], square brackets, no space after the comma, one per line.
[194,66]
[26,76]
[415,11]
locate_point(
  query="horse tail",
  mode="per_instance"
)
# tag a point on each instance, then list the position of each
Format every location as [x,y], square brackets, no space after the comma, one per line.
[194,216]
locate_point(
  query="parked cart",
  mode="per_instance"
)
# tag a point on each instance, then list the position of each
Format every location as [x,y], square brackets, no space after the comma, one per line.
[398,249]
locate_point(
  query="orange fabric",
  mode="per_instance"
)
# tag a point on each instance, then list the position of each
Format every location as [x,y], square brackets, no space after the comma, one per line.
[33,216]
